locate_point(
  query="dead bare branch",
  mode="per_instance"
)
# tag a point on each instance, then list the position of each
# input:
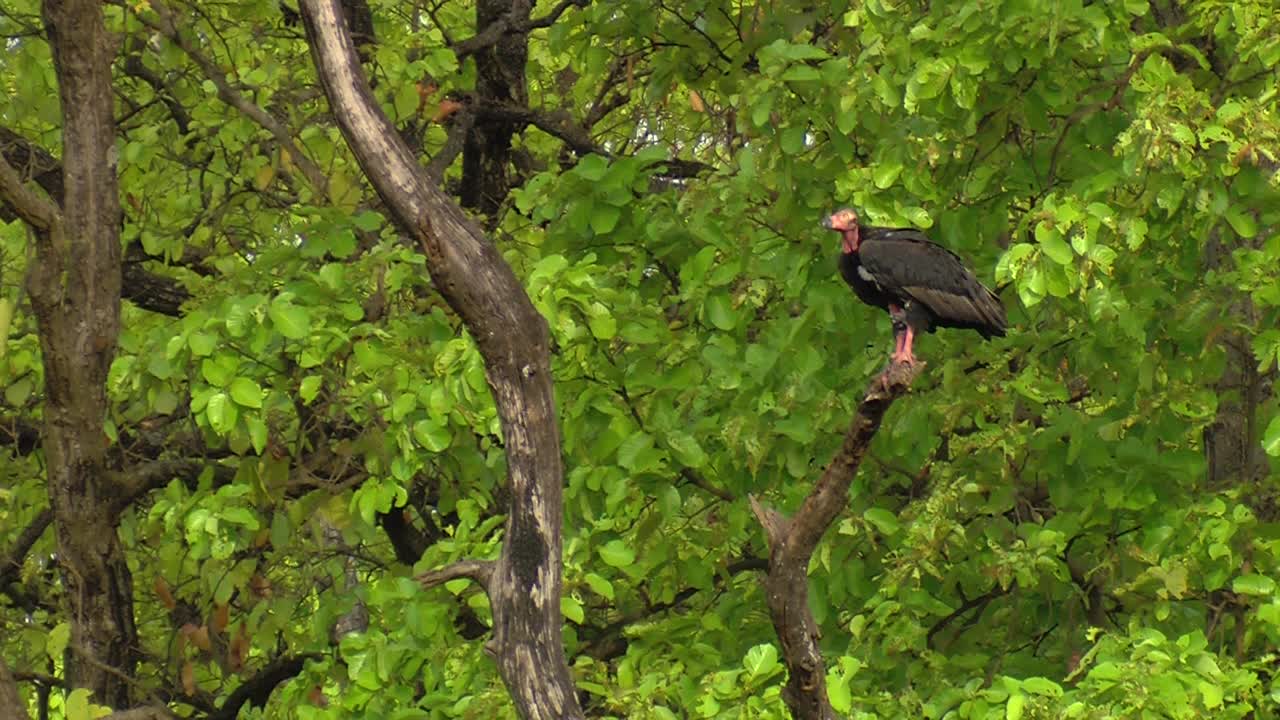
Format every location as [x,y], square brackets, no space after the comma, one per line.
[793,540]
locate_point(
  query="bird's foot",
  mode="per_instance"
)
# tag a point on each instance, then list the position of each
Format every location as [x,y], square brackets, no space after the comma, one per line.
[901,371]
[903,357]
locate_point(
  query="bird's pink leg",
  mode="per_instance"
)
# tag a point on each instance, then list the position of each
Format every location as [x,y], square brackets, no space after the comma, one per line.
[898,316]
[903,353]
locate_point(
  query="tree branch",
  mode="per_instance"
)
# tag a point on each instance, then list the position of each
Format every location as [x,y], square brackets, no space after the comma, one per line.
[610,642]
[168,26]
[257,690]
[143,288]
[142,713]
[511,23]
[694,477]
[10,564]
[479,571]
[560,124]
[979,603]
[461,125]
[11,705]
[32,209]
[148,476]
[792,542]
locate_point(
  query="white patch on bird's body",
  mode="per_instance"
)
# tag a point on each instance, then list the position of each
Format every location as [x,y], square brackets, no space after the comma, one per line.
[865,275]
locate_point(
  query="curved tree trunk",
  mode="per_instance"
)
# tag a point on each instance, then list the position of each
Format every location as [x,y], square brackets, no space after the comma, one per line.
[524,584]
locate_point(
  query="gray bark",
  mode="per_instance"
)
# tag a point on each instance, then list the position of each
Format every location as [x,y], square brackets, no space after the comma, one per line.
[524,584]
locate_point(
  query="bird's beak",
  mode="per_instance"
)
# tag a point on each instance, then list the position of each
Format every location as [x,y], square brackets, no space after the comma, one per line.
[826,222]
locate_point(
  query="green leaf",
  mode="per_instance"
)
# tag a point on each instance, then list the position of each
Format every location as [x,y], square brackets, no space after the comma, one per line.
[602,324]
[600,586]
[334,276]
[604,218]
[1212,694]
[290,320]
[761,660]
[792,140]
[246,392]
[686,449]
[572,610]
[1271,438]
[1053,245]
[404,404]
[617,554]
[165,402]
[257,432]
[801,73]
[240,516]
[884,520]
[160,367]
[1242,221]
[367,220]
[219,370]
[78,705]
[1016,705]
[918,216]
[202,344]
[56,644]
[17,392]
[592,167]
[1253,585]
[309,388]
[886,173]
[720,312]
[1042,686]
[221,413]
[281,530]
[432,435]
[1137,233]
[632,448]
[839,695]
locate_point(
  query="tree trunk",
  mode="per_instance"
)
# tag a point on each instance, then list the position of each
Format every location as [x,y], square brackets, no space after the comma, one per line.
[500,79]
[74,283]
[1232,443]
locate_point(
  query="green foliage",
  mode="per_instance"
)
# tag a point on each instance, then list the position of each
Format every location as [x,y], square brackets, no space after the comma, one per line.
[1040,530]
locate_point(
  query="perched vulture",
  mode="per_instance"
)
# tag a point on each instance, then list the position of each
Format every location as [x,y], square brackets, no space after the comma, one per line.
[922,284]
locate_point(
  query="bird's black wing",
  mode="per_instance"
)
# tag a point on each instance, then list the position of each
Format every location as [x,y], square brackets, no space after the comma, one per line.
[905,262]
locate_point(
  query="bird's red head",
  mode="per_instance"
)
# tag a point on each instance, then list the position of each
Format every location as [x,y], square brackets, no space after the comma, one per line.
[845,222]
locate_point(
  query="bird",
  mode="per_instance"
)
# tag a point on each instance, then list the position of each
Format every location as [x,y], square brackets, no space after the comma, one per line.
[923,285]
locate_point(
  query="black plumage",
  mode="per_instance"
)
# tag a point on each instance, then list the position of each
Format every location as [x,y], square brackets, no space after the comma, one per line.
[923,285]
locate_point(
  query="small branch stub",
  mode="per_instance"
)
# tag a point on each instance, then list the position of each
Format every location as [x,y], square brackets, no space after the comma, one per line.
[478,571]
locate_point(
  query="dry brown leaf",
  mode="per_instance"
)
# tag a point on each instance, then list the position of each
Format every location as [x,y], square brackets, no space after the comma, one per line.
[695,102]
[238,651]
[447,108]
[200,638]
[162,591]
[221,617]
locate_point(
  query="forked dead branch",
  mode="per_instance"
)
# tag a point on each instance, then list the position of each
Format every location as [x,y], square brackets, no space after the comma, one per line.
[792,542]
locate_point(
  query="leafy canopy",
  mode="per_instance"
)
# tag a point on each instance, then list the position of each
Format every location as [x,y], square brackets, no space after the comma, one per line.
[1045,529]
